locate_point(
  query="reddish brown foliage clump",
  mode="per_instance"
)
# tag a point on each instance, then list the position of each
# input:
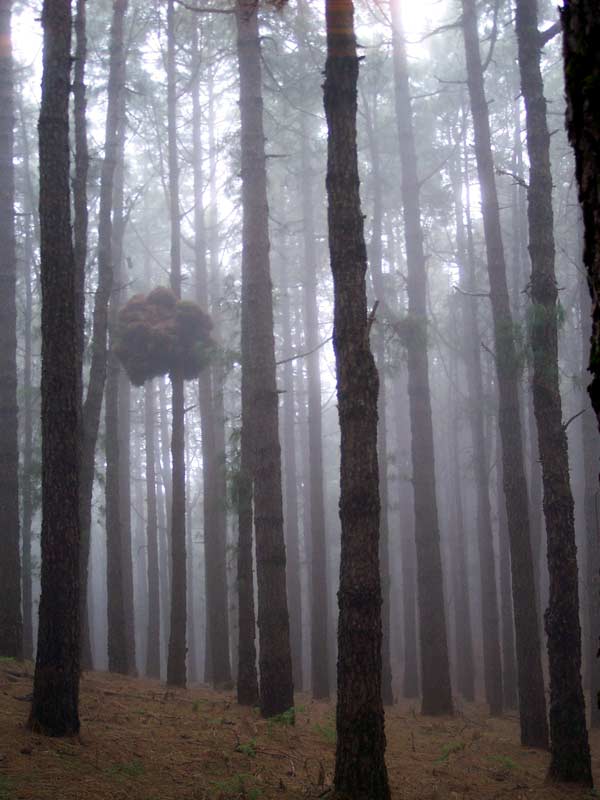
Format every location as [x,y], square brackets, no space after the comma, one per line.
[158,334]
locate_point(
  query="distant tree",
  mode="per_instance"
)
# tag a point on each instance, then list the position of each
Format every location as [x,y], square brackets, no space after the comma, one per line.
[11,626]
[99,345]
[261,401]
[360,770]
[215,538]
[581,26]
[435,664]
[55,706]
[532,702]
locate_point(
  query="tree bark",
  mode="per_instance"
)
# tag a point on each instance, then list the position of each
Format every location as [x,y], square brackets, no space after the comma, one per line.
[581,27]
[534,726]
[276,684]
[570,752]
[55,705]
[435,665]
[360,770]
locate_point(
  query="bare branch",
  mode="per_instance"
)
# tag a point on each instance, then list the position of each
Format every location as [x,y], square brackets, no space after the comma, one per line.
[550,33]
[206,9]
[470,294]
[574,417]
[516,178]
[303,355]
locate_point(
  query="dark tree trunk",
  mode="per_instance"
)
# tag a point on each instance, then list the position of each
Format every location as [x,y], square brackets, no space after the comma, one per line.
[490,617]
[534,726]
[11,622]
[435,665]
[153,642]
[176,662]
[55,705]
[581,27]
[117,631]
[215,534]
[360,770]
[97,376]
[319,605]
[590,452]
[570,750]
[276,684]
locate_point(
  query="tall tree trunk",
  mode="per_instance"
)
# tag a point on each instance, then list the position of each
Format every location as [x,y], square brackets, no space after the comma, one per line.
[11,621]
[215,534]
[55,705]
[117,632]
[375,259]
[581,27]
[176,663]
[463,633]
[534,726]
[276,684]
[410,678]
[570,750]
[318,572]
[153,640]
[360,770]
[97,375]
[80,246]
[490,617]
[435,665]
[589,454]
[27,481]
[291,482]
[509,659]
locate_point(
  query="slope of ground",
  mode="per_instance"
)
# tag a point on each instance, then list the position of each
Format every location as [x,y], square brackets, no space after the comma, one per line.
[141,742]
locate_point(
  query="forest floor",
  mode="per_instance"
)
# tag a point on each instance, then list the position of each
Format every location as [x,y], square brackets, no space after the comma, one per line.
[141,742]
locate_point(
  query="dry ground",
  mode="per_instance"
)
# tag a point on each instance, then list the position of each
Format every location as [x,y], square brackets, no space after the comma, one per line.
[140,742]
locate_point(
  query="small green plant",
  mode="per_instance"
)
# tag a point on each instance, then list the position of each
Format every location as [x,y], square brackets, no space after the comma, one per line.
[196,706]
[128,769]
[236,787]
[449,749]
[6,787]
[503,761]
[248,749]
[327,732]
[286,718]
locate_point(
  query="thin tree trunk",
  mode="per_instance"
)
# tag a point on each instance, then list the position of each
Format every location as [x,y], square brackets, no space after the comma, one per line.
[55,705]
[215,534]
[97,376]
[153,641]
[410,679]
[176,663]
[11,621]
[291,482]
[490,617]
[276,684]
[534,726]
[360,770]
[435,665]
[570,752]
[318,594]
[375,259]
